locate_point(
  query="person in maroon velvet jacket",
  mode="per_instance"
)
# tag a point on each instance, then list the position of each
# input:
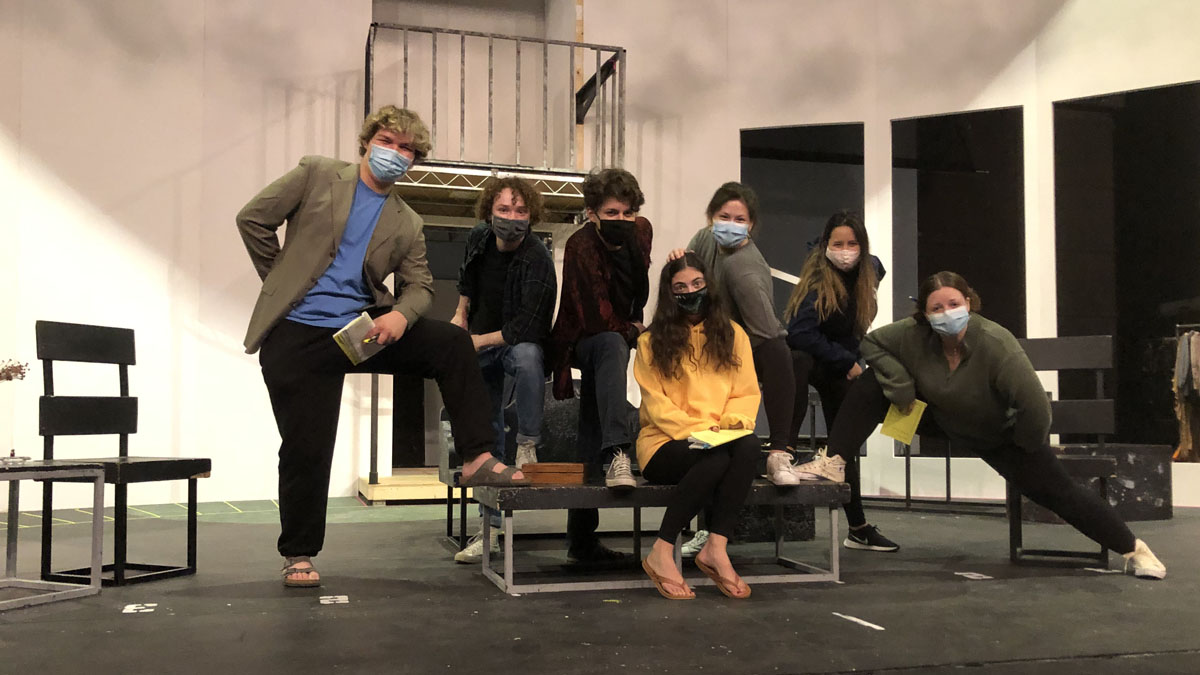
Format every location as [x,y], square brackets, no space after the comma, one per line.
[605,284]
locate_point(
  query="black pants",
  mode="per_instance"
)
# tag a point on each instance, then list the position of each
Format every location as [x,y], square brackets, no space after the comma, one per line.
[603,363]
[1036,473]
[718,477]
[773,364]
[832,388]
[304,369]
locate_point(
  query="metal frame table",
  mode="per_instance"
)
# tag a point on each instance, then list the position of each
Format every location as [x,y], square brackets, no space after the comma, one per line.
[52,469]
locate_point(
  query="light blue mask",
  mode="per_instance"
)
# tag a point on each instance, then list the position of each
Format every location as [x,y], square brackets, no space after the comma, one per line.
[387,164]
[951,321]
[729,234]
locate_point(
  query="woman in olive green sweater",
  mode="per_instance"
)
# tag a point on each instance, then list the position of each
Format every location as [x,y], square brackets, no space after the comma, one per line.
[983,394]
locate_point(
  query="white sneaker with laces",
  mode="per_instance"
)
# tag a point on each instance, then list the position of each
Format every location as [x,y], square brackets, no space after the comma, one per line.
[1145,564]
[692,546]
[473,553]
[526,453]
[823,466]
[779,469]
[620,473]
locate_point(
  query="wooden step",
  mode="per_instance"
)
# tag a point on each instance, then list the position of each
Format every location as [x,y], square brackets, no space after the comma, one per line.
[420,484]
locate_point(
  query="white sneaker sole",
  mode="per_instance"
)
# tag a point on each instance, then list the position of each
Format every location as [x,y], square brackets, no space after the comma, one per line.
[620,483]
[1150,573]
[788,478]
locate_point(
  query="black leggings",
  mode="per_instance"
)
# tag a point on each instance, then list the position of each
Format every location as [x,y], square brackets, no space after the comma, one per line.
[718,476]
[832,387]
[1036,473]
[773,364]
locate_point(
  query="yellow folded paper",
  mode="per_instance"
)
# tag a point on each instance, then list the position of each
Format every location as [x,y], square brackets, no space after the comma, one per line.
[714,438]
[900,426]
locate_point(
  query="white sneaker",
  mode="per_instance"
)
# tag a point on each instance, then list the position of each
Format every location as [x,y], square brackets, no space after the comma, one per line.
[692,546]
[473,553]
[779,469]
[1146,565]
[823,466]
[526,453]
[620,475]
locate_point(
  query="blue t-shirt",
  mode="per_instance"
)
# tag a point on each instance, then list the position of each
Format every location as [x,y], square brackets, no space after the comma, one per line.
[342,293]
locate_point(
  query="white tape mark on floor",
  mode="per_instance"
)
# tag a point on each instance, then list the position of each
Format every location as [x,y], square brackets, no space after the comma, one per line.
[859,621]
[335,599]
[1099,570]
[144,608]
[973,576]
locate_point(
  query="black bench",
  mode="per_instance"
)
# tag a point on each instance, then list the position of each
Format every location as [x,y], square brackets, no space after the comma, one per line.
[507,500]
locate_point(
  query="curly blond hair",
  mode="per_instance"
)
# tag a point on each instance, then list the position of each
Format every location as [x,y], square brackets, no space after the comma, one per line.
[401,121]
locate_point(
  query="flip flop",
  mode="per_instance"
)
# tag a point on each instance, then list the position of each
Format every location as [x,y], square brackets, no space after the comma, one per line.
[658,583]
[484,475]
[291,568]
[723,584]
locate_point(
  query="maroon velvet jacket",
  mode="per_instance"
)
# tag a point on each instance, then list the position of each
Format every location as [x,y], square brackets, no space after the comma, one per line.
[585,308]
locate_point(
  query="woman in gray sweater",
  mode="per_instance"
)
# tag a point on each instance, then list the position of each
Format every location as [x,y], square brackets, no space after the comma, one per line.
[983,394]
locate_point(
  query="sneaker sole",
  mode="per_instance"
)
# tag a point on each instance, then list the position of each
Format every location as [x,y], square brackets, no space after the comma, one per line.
[620,485]
[1150,574]
[806,475]
[791,479]
[850,543]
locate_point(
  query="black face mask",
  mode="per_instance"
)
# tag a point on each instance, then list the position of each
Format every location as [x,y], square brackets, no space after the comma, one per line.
[508,229]
[616,231]
[693,303]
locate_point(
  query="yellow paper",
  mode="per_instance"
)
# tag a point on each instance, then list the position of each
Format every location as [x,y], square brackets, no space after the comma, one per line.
[900,426]
[715,438]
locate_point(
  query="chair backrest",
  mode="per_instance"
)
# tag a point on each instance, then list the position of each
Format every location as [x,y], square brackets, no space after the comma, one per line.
[1095,416]
[85,415]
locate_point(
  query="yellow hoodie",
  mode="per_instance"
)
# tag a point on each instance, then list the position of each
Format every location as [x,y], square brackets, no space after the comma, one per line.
[674,408]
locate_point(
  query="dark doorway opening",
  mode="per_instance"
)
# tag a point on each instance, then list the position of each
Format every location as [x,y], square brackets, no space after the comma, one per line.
[1127,236]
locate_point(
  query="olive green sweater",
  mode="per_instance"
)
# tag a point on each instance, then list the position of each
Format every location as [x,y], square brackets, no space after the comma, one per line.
[993,398]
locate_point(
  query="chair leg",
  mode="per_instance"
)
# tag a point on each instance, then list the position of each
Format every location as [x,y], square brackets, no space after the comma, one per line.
[47,525]
[449,511]
[120,532]
[1014,522]
[191,525]
[462,518]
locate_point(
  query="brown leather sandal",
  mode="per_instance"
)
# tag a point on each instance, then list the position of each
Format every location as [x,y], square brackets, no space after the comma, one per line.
[290,568]
[726,586]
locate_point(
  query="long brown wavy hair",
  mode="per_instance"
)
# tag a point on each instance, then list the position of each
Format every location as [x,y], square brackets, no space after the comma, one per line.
[670,330]
[819,274]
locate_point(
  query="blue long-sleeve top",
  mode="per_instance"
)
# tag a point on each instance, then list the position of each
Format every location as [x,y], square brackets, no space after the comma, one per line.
[834,341]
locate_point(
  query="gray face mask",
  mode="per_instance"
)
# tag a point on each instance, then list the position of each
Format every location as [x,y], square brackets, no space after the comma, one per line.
[508,229]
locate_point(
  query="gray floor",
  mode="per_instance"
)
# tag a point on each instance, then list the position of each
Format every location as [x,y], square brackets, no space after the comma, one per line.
[407,608]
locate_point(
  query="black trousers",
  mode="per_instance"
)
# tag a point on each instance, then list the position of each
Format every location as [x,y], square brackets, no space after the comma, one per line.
[304,370]
[718,478]
[603,363]
[773,364]
[832,388]
[1036,473]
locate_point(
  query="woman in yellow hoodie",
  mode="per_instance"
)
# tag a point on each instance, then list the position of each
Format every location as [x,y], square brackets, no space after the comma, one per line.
[696,372]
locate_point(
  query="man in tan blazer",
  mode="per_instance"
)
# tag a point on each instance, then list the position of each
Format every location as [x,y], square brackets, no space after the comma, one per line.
[347,231]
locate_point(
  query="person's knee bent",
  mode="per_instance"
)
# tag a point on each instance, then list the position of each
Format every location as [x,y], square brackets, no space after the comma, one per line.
[527,358]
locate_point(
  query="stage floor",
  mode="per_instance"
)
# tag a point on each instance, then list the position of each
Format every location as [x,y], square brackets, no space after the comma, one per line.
[394,602]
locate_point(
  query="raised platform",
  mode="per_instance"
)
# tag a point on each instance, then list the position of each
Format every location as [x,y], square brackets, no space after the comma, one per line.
[404,485]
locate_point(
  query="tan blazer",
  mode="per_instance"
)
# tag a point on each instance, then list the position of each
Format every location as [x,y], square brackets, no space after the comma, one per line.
[314,199]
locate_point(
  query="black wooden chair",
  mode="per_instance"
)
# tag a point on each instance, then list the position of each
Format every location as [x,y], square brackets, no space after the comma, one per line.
[112,415]
[1092,416]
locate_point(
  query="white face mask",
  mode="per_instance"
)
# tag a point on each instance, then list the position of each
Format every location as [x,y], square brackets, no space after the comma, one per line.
[844,259]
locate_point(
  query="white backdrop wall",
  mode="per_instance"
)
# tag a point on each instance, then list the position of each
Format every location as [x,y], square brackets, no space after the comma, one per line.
[131,133]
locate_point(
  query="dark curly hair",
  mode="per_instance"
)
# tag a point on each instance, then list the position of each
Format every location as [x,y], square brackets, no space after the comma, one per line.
[941,280]
[520,187]
[670,330]
[603,184]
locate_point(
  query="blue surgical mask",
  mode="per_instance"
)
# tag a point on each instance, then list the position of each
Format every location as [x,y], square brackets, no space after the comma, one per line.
[729,234]
[387,165]
[949,322]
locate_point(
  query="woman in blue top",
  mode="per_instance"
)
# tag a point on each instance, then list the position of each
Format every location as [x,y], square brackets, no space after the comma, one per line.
[829,312]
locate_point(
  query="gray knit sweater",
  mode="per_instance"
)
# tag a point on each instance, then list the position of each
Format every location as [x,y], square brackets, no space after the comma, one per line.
[744,276]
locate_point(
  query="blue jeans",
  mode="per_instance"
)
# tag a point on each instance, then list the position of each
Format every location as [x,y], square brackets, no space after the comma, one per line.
[524,364]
